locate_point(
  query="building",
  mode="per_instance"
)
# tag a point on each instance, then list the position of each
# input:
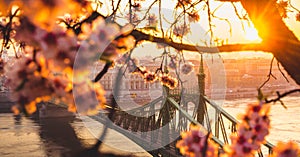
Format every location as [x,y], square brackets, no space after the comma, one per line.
[233,78]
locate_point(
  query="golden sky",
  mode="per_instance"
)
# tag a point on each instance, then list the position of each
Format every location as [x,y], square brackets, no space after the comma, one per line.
[198,30]
[222,10]
[248,34]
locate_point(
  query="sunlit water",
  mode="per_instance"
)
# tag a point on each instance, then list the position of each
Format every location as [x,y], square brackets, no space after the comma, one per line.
[55,137]
[285,122]
[64,136]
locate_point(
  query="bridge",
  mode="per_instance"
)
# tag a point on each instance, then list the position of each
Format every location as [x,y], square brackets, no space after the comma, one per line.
[156,126]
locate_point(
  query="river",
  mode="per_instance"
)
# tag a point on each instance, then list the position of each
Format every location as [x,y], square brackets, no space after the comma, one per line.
[285,123]
[56,137]
[20,136]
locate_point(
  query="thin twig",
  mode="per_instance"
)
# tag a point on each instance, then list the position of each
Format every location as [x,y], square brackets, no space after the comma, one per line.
[269,75]
[146,13]
[226,20]
[278,65]
[160,20]
[293,6]
[280,96]
[210,22]
[240,17]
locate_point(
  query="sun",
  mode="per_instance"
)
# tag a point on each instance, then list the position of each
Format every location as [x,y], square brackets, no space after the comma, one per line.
[252,34]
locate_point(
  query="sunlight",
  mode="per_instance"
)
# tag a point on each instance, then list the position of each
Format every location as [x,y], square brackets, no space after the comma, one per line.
[252,34]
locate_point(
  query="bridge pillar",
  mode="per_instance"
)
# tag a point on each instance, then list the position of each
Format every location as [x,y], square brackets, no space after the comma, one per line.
[201,85]
[166,118]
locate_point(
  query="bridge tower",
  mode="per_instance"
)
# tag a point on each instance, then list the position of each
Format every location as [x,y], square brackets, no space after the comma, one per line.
[201,85]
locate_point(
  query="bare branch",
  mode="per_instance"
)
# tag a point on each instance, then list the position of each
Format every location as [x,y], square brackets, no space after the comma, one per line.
[280,96]
[226,20]
[115,9]
[269,75]
[292,6]
[209,22]
[278,66]
[146,13]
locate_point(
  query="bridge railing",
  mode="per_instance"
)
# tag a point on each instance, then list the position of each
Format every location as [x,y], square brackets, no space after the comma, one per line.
[220,131]
[192,120]
[224,124]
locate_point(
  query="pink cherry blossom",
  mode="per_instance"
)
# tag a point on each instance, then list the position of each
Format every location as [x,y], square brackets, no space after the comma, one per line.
[194,143]
[187,68]
[289,149]
[251,132]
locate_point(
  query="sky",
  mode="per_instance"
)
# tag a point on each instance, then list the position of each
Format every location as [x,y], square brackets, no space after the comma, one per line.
[239,35]
[198,30]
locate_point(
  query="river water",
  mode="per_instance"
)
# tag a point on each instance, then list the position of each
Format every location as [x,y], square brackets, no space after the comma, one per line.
[56,137]
[285,123]
[20,136]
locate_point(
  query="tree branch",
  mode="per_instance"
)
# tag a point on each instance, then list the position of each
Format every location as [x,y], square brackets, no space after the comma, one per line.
[277,38]
[229,0]
[89,19]
[140,36]
[280,96]
[269,75]
[282,42]
[102,72]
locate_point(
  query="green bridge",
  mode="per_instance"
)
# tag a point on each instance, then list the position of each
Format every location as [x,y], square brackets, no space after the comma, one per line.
[156,126]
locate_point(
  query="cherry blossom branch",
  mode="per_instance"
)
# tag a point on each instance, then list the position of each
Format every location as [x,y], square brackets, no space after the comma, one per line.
[103,71]
[141,36]
[6,31]
[93,151]
[89,19]
[147,12]
[229,0]
[177,19]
